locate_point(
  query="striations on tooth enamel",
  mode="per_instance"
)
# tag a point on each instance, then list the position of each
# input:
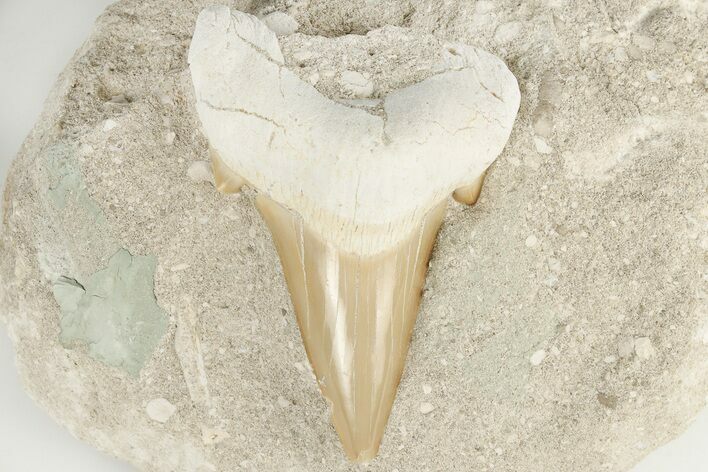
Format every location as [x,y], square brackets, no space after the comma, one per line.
[356,316]
[353,185]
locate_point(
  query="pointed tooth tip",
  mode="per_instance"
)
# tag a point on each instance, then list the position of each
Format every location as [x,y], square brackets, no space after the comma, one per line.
[365,456]
[353,450]
[356,315]
[361,446]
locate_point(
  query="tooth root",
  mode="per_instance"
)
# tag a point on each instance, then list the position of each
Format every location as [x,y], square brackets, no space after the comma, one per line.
[356,315]
[225,180]
[470,193]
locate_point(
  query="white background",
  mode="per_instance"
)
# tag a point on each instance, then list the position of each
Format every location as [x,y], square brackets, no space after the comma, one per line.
[37,38]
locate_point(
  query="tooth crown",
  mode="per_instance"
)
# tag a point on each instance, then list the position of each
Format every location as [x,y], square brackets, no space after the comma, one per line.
[363,180]
[356,316]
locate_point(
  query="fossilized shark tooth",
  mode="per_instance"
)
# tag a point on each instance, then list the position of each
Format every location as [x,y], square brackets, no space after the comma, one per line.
[353,197]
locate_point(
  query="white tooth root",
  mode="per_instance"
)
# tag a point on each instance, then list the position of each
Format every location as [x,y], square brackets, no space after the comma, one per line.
[353,195]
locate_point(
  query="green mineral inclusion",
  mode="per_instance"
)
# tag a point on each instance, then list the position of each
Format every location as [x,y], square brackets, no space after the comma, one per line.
[66,183]
[114,312]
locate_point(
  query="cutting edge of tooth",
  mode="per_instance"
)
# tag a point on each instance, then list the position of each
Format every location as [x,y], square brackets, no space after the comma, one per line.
[356,314]
[469,194]
[226,180]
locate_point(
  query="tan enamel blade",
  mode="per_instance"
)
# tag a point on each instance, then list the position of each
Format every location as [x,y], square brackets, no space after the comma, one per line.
[356,315]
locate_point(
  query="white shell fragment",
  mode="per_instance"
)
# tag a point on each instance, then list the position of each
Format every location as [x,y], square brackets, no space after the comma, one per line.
[357,84]
[160,410]
[644,348]
[213,435]
[109,125]
[281,23]
[538,357]
[200,171]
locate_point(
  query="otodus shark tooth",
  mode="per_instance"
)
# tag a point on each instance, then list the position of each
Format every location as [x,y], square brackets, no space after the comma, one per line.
[356,315]
[353,193]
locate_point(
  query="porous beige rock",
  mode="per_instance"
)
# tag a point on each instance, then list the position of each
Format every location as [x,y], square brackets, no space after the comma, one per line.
[618,210]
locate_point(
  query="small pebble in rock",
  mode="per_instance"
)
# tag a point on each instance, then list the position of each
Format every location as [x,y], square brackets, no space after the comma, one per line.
[281,23]
[643,42]
[170,137]
[531,241]
[625,348]
[538,357]
[200,171]
[231,214]
[667,47]
[179,267]
[109,125]
[607,400]
[118,100]
[554,264]
[652,76]
[302,56]
[160,410]
[427,389]
[644,348]
[610,360]
[507,32]
[634,52]
[355,83]
[426,408]
[213,436]
[483,6]
[542,146]
[314,78]
[283,403]
[620,54]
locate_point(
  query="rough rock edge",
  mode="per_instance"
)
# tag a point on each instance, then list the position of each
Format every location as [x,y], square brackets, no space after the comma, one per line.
[675,411]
